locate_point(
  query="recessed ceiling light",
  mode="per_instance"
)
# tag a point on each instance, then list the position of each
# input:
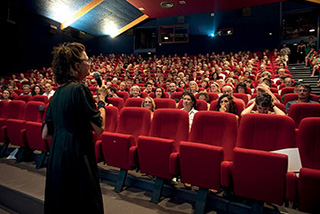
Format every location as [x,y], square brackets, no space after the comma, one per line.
[141,8]
[166,4]
[182,2]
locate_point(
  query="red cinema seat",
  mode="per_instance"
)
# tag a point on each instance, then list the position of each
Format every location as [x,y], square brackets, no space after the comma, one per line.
[158,152]
[40,98]
[111,122]
[286,90]
[242,96]
[119,148]
[298,111]
[117,102]
[25,98]
[33,131]
[308,140]
[143,94]
[3,134]
[123,94]
[16,126]
[294,96]
[164,103]
[133,102]
[176,95]
[211,141]
[14,110]
[257,173]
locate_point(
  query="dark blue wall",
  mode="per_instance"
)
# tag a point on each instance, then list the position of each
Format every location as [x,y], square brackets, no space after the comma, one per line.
[28,43]
[250,33]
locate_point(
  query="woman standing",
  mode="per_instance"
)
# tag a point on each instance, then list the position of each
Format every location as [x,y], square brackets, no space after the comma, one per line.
[72,183]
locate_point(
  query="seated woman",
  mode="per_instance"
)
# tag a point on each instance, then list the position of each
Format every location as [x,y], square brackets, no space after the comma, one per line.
[242,88]
[135,91]
[6,95]
[264,104]
[226,104]
[204,96]
[193,88]
[189,103]
[214,88]
[149,103]
[37,90]
[159,93]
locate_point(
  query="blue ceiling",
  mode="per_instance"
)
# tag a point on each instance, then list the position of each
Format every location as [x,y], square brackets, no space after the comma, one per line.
[116,12]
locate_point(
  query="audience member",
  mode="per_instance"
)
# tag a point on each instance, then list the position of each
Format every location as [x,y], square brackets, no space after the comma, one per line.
[264,104]
[189,103]
[193,88]
[149,103]
[26,89]
[304,91]
[49,90]
[135,91]
[228,90]
[37,90]
[172,88]
[226,104]
[6,95]
[112,92]
[159,93]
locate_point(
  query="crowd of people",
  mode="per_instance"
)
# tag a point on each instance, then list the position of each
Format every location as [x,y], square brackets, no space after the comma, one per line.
[259,75]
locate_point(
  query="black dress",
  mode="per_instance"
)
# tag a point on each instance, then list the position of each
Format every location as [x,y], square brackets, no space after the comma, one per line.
[72,184]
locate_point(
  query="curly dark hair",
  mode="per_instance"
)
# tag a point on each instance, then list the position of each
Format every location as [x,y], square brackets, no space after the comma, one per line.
[232,107]
[64,58]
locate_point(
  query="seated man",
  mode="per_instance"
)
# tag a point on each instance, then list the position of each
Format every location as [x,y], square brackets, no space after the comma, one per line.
[304,91]
[26,90]
[172,88]
[148,87]
[49,90]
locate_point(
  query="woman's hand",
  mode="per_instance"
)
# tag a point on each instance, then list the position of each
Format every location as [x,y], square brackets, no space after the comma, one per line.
[223,109]
[101,93]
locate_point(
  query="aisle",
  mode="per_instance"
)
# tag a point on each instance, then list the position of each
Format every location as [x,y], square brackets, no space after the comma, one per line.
[29,183]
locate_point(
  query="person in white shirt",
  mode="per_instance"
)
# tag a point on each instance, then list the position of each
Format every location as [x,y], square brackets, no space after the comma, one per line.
[189,103]
[49,91]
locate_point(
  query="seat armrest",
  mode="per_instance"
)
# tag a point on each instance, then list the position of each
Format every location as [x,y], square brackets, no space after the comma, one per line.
[174,163]
[226,173]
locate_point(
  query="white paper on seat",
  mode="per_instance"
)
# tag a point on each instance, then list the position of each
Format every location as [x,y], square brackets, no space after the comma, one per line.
[294,161]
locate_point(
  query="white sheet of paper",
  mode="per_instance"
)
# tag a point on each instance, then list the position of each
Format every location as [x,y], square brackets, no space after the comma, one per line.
[294,161]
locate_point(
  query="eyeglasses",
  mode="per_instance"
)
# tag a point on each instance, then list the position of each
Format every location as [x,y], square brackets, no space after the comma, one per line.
[147,101]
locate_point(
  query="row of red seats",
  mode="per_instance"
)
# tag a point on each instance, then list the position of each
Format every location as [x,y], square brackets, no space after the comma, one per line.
[216,153]
[296,111]
[27,98]
[213,96]
[20,125]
